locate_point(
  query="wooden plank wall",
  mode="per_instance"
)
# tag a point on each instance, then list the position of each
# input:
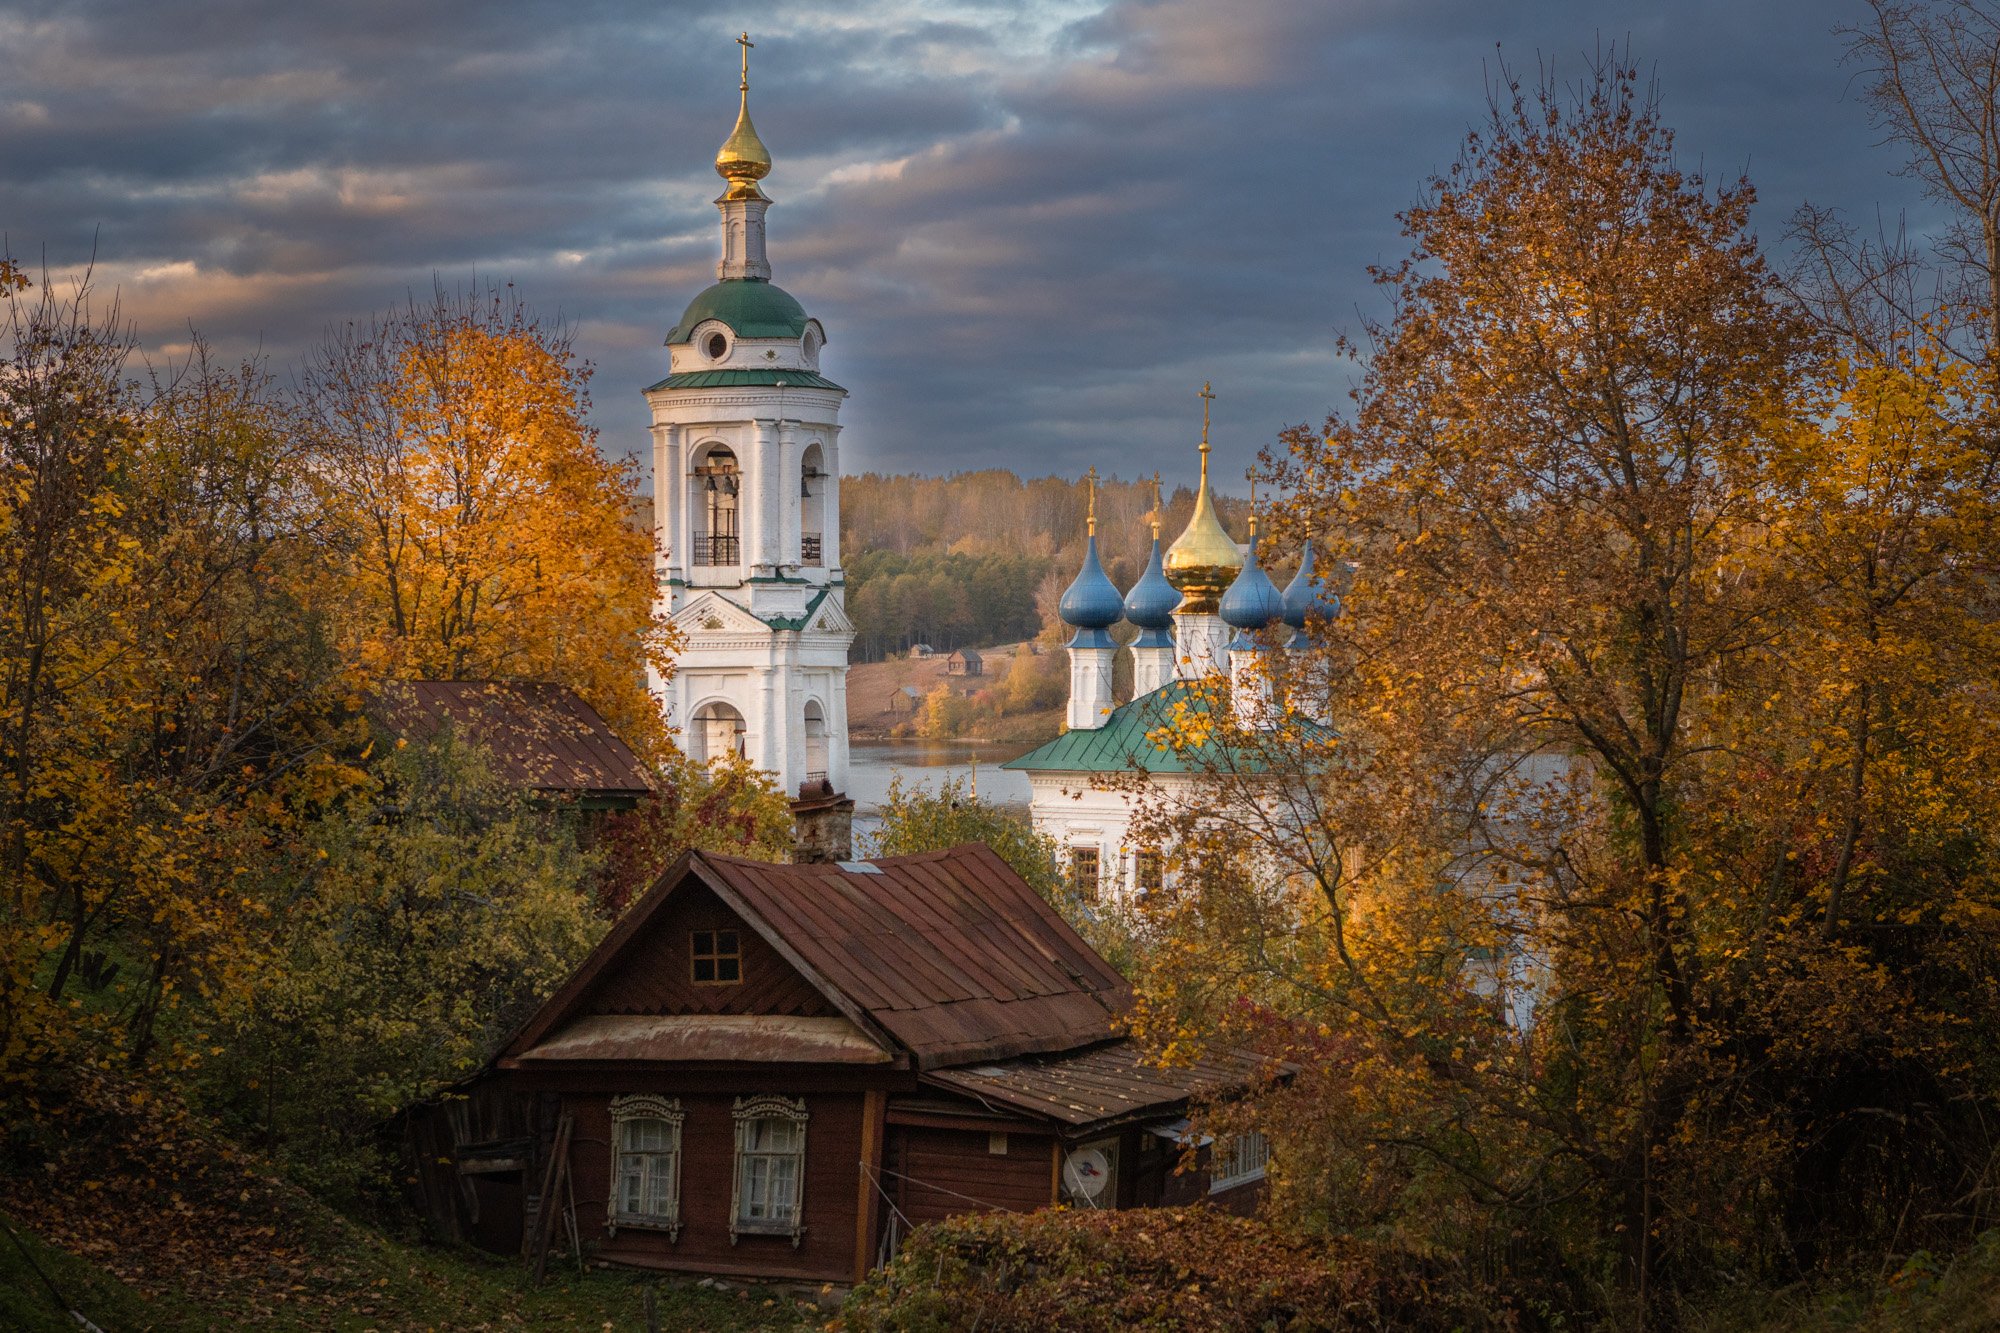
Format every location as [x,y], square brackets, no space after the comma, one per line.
[654,977]
[935,1173]
[708,1163]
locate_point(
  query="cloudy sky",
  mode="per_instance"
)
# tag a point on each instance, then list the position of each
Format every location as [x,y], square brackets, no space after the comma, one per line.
[1032,227]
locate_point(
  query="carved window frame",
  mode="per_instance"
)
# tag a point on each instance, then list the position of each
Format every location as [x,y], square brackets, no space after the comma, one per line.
[646,1106]
[749,1110]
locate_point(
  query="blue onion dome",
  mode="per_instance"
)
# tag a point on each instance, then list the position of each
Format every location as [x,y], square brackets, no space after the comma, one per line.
[1253,601]
[1092,604]
[1153,600]
[1307,595]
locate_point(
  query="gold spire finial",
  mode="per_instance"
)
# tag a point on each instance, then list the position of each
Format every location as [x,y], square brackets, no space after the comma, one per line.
[1090,482]
[1203,559]
[1250,475]
[743,160]
[1157,506]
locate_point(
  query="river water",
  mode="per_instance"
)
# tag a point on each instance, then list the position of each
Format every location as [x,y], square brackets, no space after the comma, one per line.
[872,765]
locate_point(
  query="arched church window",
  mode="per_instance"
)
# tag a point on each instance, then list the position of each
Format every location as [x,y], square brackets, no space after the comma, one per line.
[816,741]
[717,733]
[716,483]
[812,506]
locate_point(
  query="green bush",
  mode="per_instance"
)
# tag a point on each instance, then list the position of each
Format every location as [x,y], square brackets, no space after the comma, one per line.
[1182,1269]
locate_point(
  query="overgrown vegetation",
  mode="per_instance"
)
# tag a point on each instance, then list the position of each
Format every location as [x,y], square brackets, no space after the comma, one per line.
[1190,1270]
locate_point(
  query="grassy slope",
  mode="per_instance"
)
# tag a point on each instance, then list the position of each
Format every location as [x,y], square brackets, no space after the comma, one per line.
[403,1287]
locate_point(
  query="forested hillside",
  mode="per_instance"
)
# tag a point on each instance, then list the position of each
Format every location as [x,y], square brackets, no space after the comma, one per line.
[981,557]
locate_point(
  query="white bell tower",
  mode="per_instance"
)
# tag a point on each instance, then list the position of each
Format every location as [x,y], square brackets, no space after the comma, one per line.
[746,503]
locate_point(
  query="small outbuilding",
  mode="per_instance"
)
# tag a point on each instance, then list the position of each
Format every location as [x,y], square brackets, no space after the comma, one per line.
[772,1071]
[542,737]
[964,662]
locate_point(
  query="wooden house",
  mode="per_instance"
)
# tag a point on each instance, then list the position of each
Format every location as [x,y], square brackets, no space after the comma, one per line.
[773,1071]
[965,662]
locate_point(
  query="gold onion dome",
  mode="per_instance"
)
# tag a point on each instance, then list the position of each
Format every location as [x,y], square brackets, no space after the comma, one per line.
[743,159]
[1203,560]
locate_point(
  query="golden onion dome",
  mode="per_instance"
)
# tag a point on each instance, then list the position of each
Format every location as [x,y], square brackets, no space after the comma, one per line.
[743,160]
[1203,561]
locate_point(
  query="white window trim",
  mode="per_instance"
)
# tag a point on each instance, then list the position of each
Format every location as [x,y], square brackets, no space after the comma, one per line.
[645,1106]
[767,1107]
[1225,1148]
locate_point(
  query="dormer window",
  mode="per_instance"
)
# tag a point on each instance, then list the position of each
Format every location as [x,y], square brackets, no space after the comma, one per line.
[717,957]
[717,346]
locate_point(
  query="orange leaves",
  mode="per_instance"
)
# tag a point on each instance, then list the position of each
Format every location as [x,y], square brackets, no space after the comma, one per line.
[489,537]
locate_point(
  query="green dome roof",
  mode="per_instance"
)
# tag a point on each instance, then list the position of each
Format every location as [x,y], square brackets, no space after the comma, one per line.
[751,308]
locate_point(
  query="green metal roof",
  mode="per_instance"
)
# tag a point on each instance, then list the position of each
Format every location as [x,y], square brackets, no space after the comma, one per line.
[729,379]
[751,307]
[1125,744]
[798,622]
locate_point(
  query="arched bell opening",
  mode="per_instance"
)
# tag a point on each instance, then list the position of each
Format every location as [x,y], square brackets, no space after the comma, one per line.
[715,484]
[717,733]
[812,507]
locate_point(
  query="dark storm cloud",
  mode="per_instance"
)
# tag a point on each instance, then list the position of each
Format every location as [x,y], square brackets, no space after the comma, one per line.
[1032,228]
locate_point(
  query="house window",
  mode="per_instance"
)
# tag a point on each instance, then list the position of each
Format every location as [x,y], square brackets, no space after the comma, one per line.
[770,1168]
[1148,872]
[646,1165]
[718,957]
[1083,873]
[1238,1160]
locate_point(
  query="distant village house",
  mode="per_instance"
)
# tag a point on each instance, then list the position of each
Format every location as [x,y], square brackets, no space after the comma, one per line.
[964,662]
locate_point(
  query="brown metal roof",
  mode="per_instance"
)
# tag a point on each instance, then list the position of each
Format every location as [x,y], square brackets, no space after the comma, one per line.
[542,737]
[943,958]
[951,953]
[716,1038]
[1106,1083]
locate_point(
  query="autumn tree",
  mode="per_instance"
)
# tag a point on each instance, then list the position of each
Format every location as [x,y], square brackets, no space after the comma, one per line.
[481,533]
[1656,720]
[172,697]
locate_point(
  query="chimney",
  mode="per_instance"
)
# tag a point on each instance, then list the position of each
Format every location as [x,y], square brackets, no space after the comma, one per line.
[822,824]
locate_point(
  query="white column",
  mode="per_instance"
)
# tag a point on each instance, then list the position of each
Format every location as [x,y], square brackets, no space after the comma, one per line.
[1202,641]
[1152,668]
[1249,689]
[1089,686]
[836,728]
[829,509]
[764,500]
[768,753]
[669,498]
[790,509]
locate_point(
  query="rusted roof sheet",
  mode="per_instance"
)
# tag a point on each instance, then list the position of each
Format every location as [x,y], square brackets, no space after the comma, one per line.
[950,953]
[1106,1083]
[542,737]
[731,1038]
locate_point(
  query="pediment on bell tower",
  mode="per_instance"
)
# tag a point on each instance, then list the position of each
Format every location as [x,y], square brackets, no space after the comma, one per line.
[712,613]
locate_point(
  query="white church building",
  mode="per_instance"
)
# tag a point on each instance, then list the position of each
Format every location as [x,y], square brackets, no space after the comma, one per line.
[1200,609]
[746,500]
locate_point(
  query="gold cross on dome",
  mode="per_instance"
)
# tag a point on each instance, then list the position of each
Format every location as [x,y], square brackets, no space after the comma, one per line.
[1207,396]
[1250,475]
[1090,481]
[745,42]
[1156,504]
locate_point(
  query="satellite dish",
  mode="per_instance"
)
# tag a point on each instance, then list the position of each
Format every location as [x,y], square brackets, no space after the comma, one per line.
[1086,1171]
